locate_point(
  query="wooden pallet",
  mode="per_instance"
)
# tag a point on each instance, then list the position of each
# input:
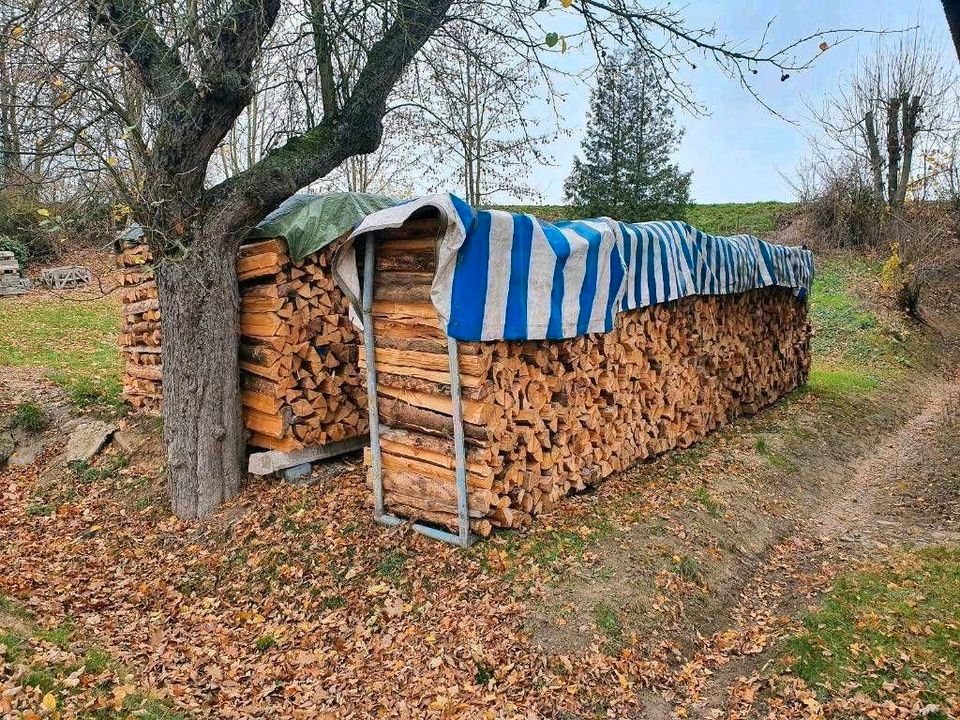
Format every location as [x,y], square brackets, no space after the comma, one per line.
[62,278]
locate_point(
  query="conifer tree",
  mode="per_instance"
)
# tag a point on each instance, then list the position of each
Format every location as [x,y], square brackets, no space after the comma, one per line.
[626,172]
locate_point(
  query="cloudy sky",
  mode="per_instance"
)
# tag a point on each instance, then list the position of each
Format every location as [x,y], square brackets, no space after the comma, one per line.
[739,151]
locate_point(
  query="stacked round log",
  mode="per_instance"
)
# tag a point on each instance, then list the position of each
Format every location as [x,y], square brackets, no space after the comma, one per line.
[546,418]
[298,351]
[140,329]
[301,386]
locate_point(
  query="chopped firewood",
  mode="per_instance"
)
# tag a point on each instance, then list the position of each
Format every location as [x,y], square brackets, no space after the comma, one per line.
[301,384]
[546,418]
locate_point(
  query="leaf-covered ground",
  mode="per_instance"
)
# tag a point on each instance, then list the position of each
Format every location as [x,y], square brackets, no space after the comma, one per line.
[704,583]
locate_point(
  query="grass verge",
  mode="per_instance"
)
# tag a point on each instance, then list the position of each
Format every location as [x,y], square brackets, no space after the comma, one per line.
[891,627]
[75,341]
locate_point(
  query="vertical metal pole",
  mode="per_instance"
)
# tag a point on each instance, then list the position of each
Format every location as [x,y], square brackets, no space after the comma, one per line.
[376,460]
[460,454]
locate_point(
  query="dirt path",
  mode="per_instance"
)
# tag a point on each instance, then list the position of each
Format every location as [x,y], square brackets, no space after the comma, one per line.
[867,511]
[895,494]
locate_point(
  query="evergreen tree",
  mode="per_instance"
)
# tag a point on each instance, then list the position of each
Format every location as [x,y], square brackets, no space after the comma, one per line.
[626,172]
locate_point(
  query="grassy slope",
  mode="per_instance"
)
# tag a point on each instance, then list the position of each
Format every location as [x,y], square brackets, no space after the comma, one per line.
[758,218]
[853,348]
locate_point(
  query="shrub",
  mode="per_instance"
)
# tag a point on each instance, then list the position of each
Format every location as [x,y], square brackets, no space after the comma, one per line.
[924,248]
[847,213]
[42,229]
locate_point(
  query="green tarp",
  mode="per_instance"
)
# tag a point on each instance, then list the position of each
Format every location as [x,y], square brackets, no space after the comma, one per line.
[309,222]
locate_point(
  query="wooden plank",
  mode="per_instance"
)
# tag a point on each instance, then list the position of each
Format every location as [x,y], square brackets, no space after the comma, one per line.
[265,463]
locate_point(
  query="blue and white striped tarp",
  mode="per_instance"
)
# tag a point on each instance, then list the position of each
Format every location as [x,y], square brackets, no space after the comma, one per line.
[508,276]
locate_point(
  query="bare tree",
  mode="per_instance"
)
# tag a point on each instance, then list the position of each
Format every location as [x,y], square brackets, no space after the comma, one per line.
[199,65]
[900,97]
[471,105]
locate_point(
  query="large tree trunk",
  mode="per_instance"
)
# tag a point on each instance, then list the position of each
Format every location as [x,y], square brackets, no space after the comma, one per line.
[952,10]
[202,424]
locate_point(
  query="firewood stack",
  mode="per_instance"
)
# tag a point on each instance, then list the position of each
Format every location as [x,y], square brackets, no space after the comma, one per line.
[298,351]
[301,386]
[547,418]
[140,329]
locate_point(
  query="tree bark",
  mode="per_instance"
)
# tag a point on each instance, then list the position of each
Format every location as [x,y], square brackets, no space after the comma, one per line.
[894,148]
[873,148]
[952,10]
[910,115]
[202,423]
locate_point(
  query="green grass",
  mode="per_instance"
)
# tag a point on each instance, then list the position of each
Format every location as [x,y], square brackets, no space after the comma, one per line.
[853,352]
[265,642]
[702,495]
[609,623]
[608,620]
[58,635]
[96,661]
[895,621]
[11,645]
[75,341]
[841,383]
[688,568]
[29,416]
[774,458]
[391,567]
[106,470]
[757,218]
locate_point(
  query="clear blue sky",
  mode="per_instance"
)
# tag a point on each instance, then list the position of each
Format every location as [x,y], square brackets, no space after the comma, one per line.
[738,152]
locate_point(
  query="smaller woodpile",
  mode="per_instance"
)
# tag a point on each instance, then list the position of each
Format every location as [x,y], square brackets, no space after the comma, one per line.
[298,351]
[11,283]
[301,386]
[140,329]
